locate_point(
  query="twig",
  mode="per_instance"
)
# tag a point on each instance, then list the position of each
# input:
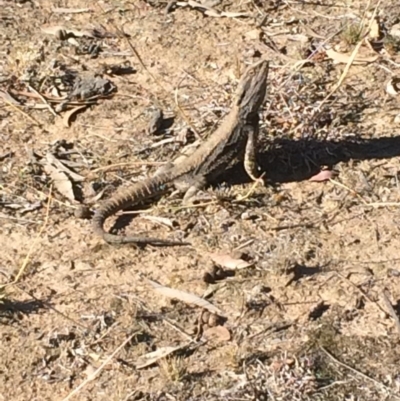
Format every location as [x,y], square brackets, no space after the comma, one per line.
[99,369]
[366,296]
[365,203]
[179,329]
[47,305]
[43,100]
[363,375]
[22,112]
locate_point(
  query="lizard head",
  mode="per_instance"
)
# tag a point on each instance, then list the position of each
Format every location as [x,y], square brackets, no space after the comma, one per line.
[252,87]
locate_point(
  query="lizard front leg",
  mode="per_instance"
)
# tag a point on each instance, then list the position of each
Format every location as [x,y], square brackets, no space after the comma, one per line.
[250,154]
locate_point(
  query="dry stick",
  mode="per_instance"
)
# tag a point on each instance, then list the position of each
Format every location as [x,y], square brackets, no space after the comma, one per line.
[179,329]
[357,372]
[48,105]
[363,293]
[99,369]
[47,305]
[365,203]
[22,112]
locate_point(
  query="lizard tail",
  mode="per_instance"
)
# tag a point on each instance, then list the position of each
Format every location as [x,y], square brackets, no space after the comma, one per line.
[128,198]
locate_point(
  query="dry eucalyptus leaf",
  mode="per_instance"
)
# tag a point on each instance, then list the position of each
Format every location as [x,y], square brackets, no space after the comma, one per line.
[51,159]
[185,297]
[344,58]
[61,181]
[70,113]
[152,357]
[229,262]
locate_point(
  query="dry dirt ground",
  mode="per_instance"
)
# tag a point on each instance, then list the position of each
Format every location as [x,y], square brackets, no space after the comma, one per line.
[313,314]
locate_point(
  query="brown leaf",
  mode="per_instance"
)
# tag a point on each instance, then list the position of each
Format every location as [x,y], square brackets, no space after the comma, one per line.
[344,58]
[185,297]
[51,159]
[220,333]
[324,175]
[229,262]
[61,181]
[70,113]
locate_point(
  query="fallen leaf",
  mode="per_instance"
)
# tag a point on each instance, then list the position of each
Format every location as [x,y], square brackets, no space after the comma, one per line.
[68,115]
[229,262]
[152,357]
[344,58]
[324,175]
[220,333]
[51,159]
[185,297]
[61,181]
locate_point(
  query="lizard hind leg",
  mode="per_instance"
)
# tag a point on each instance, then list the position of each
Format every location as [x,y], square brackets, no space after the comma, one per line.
[190,187]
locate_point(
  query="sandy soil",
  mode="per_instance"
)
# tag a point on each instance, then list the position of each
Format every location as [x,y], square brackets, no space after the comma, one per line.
[311,316]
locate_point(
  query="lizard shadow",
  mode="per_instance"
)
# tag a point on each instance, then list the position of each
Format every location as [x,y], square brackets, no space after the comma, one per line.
[289,160]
